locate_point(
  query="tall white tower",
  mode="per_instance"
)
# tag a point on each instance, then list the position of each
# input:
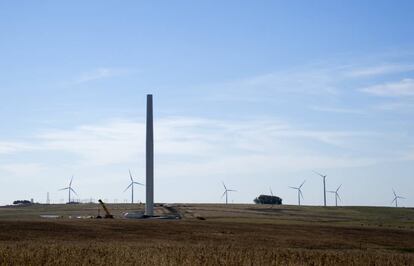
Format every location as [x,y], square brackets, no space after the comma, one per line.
[149,204]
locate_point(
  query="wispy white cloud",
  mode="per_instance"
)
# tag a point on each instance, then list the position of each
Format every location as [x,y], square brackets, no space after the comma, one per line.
[381,69]
[292,83]
[189,139]
[328,80]
[296,81]
[102,73]
[337,138]
[22,169]
[395,106]
[409,155]
[337,110]
[114,142]
[403,87]
[7,147]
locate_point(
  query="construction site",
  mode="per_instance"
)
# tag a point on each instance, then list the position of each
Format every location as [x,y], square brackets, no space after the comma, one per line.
[209,234]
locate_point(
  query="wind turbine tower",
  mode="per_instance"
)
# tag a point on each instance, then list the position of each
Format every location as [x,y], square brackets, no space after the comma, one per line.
[396,197]
[271,193]
[226,190]
[299,189]
[336,195]
[70,189]
[131,185]
[149,169]
[324,187]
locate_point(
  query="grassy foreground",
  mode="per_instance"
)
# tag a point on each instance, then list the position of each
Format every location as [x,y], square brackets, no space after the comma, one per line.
[229,235]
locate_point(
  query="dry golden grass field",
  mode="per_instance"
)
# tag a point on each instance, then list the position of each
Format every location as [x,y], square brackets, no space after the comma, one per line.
[229,235]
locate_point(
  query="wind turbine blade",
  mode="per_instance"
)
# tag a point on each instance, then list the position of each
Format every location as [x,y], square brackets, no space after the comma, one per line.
[137,183]
[319,174]
[64,188]
[401,197]
[128,187]
[338,187]
[331,191]
[302,184]
[395,194]
[70,183]
[294,187]
[224,194]
[130,175]
[73,191]
[393,200]
[339,197]
[301,194]
[224,186]
[232,190]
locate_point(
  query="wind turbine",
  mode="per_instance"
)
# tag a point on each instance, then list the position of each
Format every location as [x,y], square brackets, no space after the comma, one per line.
[324,187]
[226,191]
[299,191]
[336,195]
[131,185]
[70,189]
[396,197]
[271,193]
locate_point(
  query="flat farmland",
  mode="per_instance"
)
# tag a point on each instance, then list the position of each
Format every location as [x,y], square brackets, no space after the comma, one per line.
[208,234]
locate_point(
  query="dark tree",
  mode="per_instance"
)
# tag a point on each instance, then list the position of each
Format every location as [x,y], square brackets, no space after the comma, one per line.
[266,199]
[21,202]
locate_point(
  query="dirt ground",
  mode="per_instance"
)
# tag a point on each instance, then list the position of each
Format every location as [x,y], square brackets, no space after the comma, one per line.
[227,235]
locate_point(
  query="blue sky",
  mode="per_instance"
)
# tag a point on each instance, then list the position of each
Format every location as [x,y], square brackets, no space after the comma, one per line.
[255,94]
